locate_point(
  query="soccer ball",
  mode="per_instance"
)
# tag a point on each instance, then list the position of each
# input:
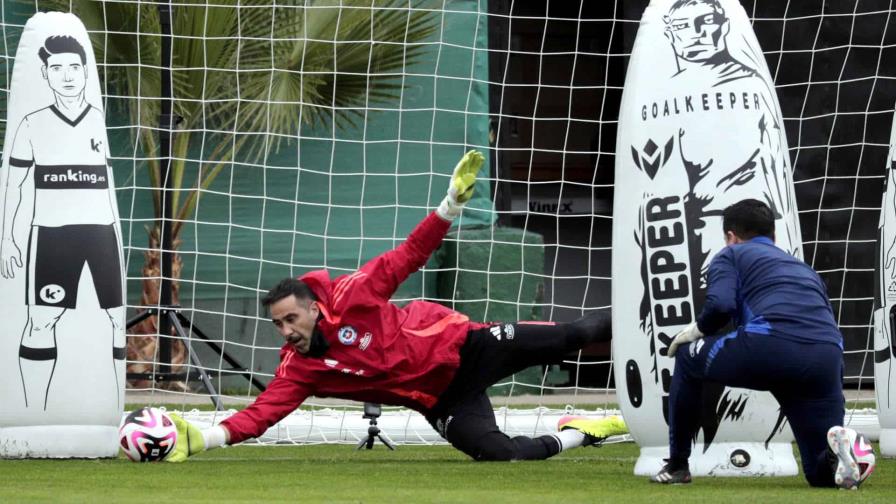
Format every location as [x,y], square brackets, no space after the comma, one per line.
[147,435]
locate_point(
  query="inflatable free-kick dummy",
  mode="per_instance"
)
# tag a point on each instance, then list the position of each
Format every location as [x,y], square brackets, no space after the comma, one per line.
[885,310]
[62,343]
[699,129]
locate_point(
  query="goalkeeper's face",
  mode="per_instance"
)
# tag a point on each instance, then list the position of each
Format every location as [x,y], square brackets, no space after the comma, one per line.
[697,30]
[295,319]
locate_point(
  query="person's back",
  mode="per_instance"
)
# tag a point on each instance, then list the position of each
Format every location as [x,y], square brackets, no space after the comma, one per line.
[785,340]
[780,294]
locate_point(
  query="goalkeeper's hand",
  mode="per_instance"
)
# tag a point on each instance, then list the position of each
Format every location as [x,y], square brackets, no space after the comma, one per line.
[189,440]
[686,335]
[461,188]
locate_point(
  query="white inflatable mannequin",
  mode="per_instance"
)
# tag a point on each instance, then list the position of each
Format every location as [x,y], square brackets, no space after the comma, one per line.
[699,129]
[63,344]
[885,310]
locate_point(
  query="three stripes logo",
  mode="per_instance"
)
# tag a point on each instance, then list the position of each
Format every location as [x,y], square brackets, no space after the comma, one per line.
[505,332]
[650,158]
[343,286]
[695,347]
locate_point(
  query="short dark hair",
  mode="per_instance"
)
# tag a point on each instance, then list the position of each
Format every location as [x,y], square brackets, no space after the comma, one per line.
[716,6]
[748,219]
[288,287]
[61,44]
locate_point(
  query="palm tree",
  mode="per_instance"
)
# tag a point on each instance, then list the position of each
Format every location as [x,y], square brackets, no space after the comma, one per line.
[297,65]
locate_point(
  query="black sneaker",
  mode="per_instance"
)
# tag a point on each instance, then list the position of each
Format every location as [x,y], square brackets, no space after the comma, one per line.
[672,474]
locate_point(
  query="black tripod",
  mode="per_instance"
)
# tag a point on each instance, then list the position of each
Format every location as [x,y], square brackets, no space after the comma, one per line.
[168,313]
[170,316]
[373,411]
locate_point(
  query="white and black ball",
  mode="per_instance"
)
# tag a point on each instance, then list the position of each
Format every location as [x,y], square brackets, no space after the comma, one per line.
[147,435]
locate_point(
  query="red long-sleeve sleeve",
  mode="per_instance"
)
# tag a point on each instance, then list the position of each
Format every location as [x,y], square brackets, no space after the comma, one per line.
[281,398]
[378,279]
[388,270]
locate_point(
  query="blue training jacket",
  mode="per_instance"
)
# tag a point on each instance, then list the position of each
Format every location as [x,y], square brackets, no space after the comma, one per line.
[767,291]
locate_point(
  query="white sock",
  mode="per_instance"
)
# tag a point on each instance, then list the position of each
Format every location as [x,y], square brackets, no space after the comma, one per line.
[214,437]
[570,438]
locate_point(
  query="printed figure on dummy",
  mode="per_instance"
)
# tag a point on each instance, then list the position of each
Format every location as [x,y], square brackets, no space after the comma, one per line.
[61,146]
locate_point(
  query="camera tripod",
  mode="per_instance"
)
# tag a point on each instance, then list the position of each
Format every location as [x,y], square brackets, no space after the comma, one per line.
[373,411]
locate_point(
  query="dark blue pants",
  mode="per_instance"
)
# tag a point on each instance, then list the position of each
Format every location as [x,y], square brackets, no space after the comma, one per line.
[805,378]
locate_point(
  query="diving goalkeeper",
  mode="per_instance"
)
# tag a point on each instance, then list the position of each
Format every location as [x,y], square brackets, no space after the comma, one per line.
[345,339]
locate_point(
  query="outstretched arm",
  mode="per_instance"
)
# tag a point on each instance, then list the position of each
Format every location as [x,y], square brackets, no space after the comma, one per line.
[383,274]
[281,398]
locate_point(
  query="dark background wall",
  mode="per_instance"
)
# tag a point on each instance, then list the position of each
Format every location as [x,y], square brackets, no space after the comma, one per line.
[556,83]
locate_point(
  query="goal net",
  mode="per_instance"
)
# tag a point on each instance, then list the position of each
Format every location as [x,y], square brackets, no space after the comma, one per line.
[316,134]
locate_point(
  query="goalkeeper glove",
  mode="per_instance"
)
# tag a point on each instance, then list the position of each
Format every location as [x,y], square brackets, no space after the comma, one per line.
[461,188]
[686,335]
[190,440]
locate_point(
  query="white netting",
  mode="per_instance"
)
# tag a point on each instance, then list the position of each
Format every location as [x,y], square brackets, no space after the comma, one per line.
[346,425]
[537,84]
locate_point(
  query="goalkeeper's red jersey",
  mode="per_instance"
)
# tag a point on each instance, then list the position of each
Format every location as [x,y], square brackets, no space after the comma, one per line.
[378,352]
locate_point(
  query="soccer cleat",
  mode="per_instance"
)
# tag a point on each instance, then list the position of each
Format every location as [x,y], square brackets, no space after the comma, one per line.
[596,430]
[672,474]
[855,457]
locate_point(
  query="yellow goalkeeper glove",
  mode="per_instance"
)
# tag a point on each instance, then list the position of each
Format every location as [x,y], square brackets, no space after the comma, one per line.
[461,188]
[189,440]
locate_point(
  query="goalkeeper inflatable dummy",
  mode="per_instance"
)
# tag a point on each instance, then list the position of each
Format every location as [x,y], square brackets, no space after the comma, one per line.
[885,310]
[699,129]
[63,345]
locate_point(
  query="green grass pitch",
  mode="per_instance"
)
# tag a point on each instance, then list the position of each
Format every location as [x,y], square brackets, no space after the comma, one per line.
[412,474]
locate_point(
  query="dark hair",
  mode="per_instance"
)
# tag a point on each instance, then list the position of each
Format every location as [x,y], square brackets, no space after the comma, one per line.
[288,287]
[61,44]
[748,219]
[716,6]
